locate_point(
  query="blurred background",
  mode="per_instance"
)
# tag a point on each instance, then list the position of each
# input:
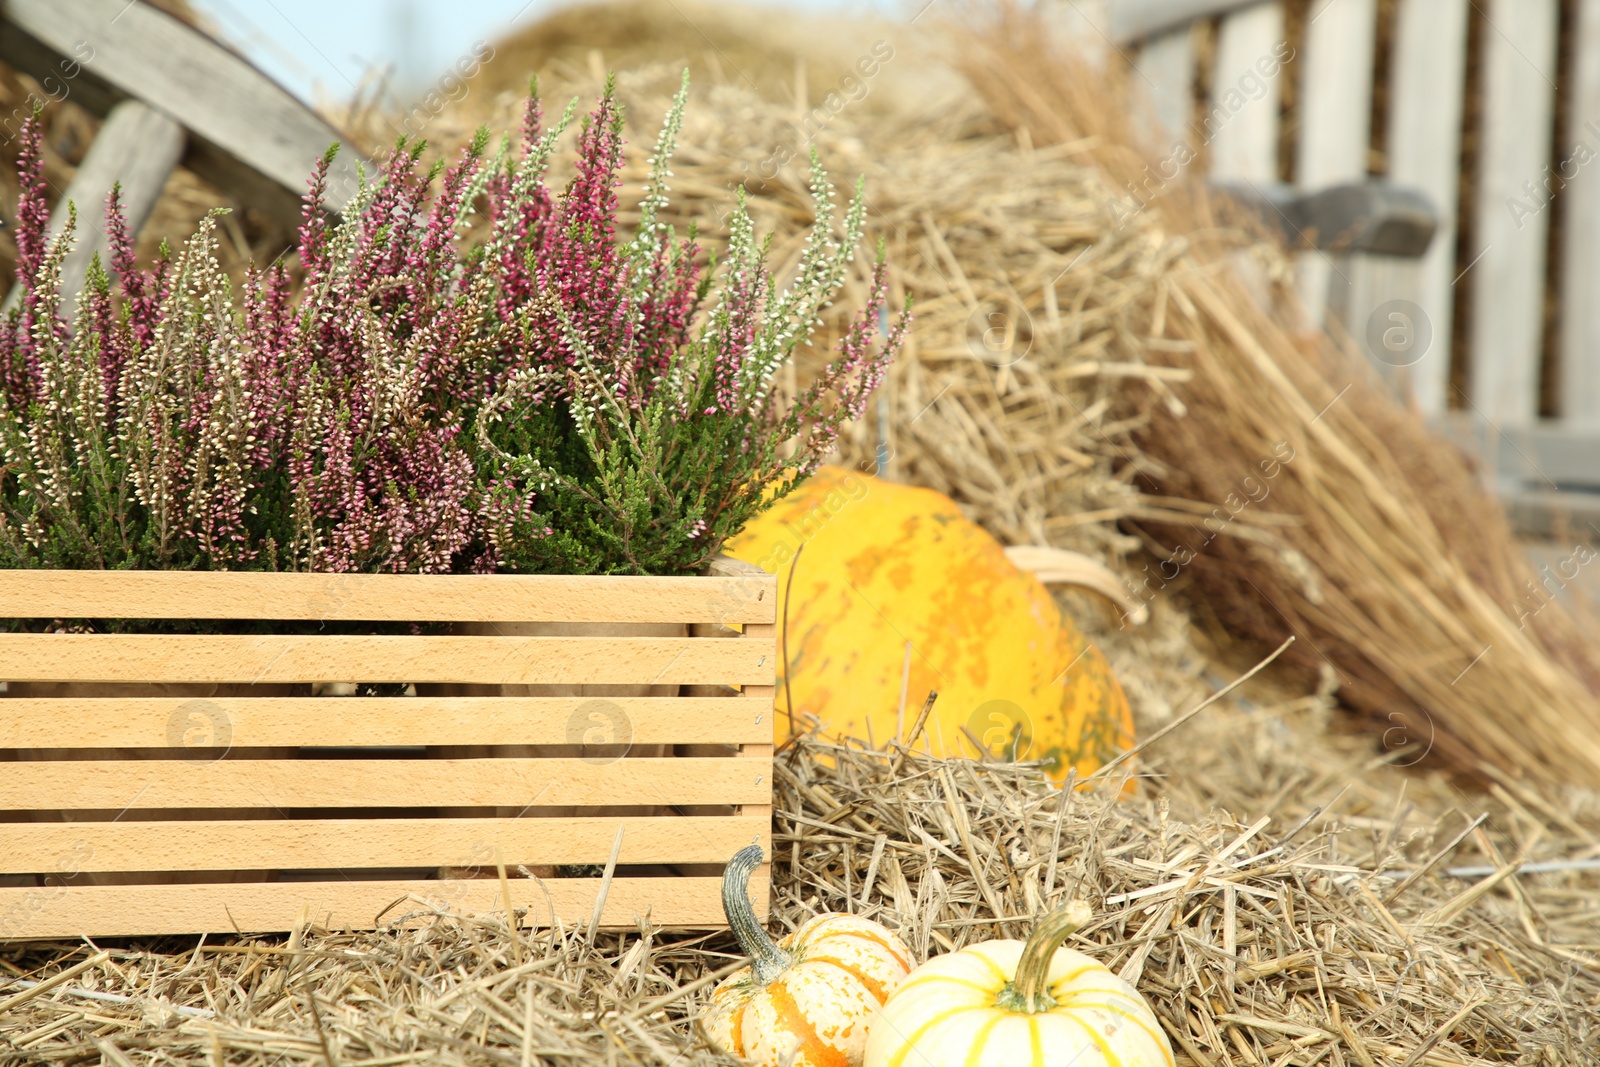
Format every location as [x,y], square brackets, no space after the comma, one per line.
[1158,247]
[327,51]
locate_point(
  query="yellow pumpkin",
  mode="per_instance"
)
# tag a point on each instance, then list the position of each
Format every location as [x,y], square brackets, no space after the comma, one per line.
[1018,1004]
[806,1000]
[886,565]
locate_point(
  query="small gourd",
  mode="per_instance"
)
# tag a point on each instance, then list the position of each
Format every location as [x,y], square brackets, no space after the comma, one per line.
[1014,1004]
[807,999]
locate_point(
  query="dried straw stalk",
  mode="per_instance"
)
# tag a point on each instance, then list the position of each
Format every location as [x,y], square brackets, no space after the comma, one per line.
[1291,935]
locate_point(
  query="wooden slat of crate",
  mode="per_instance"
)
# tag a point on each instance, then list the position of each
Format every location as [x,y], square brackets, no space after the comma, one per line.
[273,658]
[127,910]
[257,787]
[261,722]
[389,783]
[49,594]
[760,751]
[367,843]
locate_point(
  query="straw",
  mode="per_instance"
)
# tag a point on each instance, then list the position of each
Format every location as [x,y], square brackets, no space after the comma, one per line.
[1251,951]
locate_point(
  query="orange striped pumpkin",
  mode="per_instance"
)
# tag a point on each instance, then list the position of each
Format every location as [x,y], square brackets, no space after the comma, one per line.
[807,999]
[1018,1004]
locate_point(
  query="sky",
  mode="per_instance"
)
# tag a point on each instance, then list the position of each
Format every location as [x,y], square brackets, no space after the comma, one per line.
[327,46]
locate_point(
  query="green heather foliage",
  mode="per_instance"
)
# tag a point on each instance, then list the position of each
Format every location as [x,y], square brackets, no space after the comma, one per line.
[553,397]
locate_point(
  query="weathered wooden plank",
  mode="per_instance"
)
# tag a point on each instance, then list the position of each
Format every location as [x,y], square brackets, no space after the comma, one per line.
[137,147]
[1165,65]
[1241,123]
[51,594]
[1548,513]
[367,843]
[1425,101]
[1337,93]
[1580,275]
[268,659]
[1371,216]
[119,911]
[1132,20]
[1565,453]
[266,722]
[43,785]
[1335,106]
[1508,281]
[250,136]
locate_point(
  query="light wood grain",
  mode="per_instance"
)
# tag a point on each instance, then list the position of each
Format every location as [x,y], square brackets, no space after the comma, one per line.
[124,845]
[386,597]
[119,785]
[1563,452]
[120,911]
[249,135]
[492,660]
[764,634]
[260,722]
[1507,284]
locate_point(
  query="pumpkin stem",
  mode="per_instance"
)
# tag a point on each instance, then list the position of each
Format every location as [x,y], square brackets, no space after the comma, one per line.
[1028,991]
[769,960]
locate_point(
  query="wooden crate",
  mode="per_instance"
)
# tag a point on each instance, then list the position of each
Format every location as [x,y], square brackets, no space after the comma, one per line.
[347,838]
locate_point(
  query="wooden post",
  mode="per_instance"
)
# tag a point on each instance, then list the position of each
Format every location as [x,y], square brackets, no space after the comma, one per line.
[1507,283]
[760,697]
[1426,91]
[137,147]
[1166,66]
[1243,130]
[1580,325]
[247,134]
[1336,97]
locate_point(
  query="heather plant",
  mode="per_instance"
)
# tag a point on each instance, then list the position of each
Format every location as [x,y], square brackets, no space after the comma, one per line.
[633,441]
[177,426]
[548,396]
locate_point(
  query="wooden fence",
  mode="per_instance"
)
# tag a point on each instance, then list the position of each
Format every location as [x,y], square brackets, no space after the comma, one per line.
[1491,109]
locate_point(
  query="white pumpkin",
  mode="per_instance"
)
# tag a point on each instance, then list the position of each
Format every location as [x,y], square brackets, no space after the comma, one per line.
[1018,1004]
